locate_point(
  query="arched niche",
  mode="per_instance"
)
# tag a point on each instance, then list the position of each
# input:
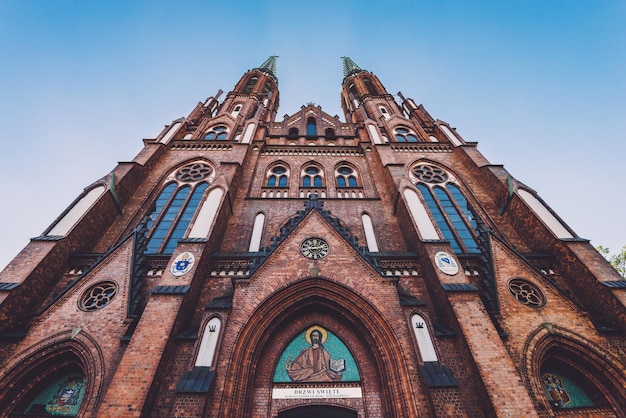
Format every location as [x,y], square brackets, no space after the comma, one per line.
[305,303]
[53,367]
[565,371]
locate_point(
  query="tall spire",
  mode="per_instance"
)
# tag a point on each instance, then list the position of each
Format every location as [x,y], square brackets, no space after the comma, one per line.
[350,67]
[269,66]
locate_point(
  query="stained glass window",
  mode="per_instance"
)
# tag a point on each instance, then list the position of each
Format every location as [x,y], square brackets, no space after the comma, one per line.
[176,206]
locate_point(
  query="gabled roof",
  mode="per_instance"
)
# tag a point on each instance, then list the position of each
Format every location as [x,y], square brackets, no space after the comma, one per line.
[314,204]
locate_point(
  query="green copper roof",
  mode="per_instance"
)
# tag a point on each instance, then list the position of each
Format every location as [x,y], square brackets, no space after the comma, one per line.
[269,66]
[350,67]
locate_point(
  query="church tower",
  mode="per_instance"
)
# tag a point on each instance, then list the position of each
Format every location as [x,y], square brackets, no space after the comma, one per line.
[246,266]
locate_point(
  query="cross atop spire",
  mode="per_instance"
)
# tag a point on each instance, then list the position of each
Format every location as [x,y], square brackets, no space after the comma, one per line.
[350,67]
[269,66]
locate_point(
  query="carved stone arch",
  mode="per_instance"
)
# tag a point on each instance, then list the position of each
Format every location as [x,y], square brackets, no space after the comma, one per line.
[308,302]
[601,368]
[27,373]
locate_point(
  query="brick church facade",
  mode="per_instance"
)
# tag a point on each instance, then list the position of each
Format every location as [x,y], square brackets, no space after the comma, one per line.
[246,266]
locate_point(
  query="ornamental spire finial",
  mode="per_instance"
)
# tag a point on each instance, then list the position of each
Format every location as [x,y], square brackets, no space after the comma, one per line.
[350,67]
[269,66]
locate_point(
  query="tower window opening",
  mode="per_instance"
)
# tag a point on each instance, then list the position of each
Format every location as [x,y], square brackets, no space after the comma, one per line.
[311,127]
[277,177]
[219,133]
[405,135]
[384,112]
[267,89]
[236,111]
[369,86]
[250,85]
[312,177]
[353,93]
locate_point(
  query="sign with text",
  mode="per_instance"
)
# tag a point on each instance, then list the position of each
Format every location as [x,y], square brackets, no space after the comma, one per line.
[317,393]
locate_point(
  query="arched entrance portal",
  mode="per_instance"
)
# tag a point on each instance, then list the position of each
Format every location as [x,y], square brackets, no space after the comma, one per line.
[318,411]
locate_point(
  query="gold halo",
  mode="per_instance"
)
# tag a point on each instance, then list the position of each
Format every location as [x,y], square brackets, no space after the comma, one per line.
[307,334]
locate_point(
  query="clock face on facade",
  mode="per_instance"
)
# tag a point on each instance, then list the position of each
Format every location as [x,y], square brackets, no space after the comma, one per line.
[314,248]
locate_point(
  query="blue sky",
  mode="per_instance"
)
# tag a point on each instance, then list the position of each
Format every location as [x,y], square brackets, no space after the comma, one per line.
[539,84]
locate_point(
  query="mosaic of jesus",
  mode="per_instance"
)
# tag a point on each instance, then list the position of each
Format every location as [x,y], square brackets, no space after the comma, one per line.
[316,355]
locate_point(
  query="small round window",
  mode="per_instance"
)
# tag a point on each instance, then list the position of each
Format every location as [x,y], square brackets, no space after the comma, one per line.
[527,293]
[194,172]
[429,174]
[98,296]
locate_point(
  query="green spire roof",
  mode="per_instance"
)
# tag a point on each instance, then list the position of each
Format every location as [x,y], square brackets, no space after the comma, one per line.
[269,66]
[350,67]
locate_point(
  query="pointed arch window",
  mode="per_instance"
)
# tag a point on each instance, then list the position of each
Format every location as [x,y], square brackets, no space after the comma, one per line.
[218,132]
[370,236]
[403,134]
[236,110]
[346,176]
[384,112]
[311,127]
[277,176]
[250,84]
[312,176]
[448,207]
[257,232]
[176,206]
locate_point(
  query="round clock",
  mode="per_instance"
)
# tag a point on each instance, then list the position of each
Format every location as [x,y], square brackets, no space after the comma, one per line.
[314,248]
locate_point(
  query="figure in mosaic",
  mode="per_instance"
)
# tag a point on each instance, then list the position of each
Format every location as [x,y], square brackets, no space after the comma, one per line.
[314,363]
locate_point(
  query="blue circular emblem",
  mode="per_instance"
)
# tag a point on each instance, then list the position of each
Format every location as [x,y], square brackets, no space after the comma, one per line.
[182,264]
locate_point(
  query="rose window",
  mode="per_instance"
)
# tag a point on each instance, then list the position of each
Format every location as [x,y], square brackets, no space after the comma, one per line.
[527,293]
[98,296]
[429,174]
[194,172]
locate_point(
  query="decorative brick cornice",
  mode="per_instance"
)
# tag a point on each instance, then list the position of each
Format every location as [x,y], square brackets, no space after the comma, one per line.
[201,145]
[317,151]
[421,147]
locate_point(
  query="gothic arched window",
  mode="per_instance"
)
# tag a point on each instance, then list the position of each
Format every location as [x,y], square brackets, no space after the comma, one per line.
[176,206]
[277,176]
[346,176]
[218,132]
[404,135]
[448,207]
[311,127]
[312,176]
